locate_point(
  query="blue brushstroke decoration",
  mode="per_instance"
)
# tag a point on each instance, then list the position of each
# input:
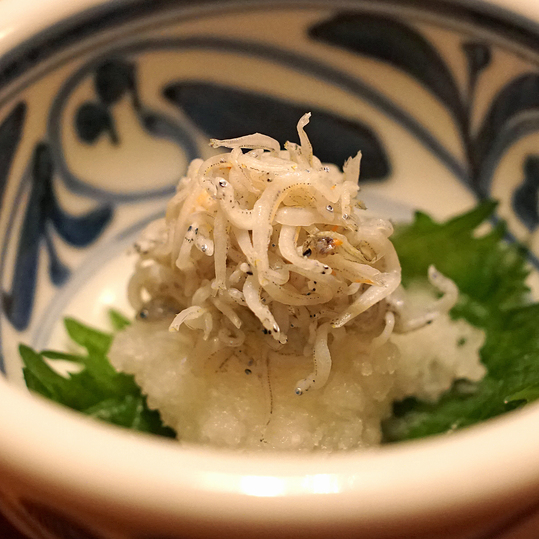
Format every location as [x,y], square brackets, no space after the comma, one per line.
[525,200]
[478,57]
[18,304]
[187,136]
[113,79]
[224,112]
[93,119]
[519,96]
[43,214]
[386,39]
[80,230]
[10,136]
[58,271]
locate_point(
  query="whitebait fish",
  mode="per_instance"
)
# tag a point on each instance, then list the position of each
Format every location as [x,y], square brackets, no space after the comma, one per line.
[273,263]
[300,238]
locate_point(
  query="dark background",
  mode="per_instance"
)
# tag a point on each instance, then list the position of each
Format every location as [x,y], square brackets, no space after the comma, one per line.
[7,531]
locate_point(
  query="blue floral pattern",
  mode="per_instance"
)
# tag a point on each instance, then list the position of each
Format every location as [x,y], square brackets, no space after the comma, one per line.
[113,79]
[398,44]
[525,198]
[511,116]
[10,136]
[43,216]
[402,46]
[225,112]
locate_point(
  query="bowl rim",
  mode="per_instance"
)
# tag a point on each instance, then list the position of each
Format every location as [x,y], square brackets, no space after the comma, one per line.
[68,453]
[182,480]
[55,17]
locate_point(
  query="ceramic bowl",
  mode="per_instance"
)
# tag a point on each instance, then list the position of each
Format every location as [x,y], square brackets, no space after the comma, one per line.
[102,105]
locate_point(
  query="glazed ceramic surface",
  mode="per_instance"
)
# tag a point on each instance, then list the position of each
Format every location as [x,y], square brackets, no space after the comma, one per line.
[102,106]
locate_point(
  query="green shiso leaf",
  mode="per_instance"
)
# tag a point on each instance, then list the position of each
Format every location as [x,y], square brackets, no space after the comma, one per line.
[528,394]
[132,412]
[49,383]
[87,337]
[53,354]
[96,389]
[490,274]
[118,320]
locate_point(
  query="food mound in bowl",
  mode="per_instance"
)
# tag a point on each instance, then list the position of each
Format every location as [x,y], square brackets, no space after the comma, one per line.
[270,311]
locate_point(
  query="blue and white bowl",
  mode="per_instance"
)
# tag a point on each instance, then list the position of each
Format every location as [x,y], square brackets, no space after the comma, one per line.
[103,104]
